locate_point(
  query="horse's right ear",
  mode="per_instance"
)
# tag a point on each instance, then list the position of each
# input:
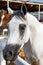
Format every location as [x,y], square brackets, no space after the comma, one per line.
[10,10]
[23,9]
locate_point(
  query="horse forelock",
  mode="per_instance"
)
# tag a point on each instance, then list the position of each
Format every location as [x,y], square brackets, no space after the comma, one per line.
[17,14]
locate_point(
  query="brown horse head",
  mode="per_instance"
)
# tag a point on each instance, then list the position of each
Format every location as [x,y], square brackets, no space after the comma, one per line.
[4,18]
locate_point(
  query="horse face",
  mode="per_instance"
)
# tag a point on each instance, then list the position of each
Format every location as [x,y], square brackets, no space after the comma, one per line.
[18,35]
[17,28]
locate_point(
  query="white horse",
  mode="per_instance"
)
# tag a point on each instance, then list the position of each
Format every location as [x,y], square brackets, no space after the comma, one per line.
[23,26]
[16,30]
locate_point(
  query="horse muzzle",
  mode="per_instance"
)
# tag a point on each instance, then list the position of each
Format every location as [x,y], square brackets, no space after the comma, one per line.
[10,52]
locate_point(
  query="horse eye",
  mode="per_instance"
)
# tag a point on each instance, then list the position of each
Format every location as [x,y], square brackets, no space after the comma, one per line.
[22,27]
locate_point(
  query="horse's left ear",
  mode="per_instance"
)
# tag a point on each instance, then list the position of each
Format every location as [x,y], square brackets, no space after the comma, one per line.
[10,11]
[23,9]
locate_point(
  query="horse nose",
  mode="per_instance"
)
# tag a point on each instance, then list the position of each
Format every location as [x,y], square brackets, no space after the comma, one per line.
[10,52]
[22,27]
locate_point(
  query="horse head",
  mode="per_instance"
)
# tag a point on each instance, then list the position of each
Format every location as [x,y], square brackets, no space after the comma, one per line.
[18,33]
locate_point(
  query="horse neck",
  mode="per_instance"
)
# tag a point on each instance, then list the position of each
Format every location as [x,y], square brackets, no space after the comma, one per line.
[32,21]
[34,25]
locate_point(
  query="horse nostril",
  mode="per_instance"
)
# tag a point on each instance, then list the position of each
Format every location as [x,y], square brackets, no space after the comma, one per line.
[22,27]
[10,53]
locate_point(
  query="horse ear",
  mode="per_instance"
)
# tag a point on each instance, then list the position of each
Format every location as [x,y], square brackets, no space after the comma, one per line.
[10,10]
[23,9]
